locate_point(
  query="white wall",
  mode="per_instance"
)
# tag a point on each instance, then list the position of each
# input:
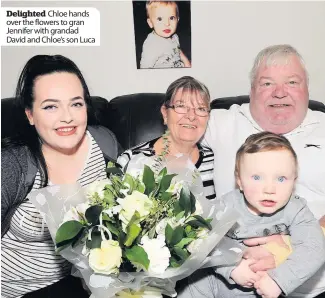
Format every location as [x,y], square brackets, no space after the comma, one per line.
[226,36]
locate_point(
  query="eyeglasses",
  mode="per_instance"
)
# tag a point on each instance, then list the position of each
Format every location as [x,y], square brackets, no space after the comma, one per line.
[182,109]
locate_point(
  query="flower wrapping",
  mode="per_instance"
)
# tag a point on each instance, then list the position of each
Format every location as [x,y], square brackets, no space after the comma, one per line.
[136,233]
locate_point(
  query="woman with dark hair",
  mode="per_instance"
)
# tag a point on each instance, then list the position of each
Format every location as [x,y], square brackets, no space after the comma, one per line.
[55,145]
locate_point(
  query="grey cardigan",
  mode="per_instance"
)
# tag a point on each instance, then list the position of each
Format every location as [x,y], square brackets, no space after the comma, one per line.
[18,171]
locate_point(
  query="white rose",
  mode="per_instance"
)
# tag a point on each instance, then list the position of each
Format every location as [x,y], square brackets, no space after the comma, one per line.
[137,201]
[96,186]
[106,259]
[158,254]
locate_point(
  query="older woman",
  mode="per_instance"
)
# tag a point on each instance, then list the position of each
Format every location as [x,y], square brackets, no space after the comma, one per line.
[185,112]
[54,146]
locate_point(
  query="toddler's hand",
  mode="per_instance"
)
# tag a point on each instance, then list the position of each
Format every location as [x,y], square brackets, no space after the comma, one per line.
[266,286]
[243,275]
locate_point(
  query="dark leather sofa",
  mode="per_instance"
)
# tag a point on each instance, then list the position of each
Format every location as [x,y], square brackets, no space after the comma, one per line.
[134,118]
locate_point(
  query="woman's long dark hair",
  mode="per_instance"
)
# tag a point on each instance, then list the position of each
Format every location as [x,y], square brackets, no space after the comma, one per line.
[27,135]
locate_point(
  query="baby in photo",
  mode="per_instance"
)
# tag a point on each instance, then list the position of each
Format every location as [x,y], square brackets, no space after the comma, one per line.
[161,49]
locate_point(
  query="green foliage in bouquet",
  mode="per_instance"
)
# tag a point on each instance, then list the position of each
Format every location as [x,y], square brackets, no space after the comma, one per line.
[138,213]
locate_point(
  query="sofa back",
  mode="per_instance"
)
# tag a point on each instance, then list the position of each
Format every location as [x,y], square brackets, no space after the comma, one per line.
[134,118]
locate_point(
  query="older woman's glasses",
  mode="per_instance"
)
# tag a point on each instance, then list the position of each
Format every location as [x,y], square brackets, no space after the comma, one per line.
[182,109]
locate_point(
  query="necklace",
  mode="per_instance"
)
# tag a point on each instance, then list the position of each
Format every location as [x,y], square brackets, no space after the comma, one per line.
[166,150]
[166,146]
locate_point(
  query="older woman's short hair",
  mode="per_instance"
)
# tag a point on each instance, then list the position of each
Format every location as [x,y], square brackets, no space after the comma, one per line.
[187,84]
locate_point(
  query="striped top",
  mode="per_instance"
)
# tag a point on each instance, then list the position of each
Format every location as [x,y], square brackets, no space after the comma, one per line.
[28,258]
[204,163]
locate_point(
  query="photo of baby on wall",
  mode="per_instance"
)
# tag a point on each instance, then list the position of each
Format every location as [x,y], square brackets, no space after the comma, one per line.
[162,32]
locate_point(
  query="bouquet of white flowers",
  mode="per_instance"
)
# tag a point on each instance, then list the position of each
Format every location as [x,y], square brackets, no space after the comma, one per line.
[136,233]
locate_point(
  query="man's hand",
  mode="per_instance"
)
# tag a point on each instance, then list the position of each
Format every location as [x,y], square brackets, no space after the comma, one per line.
[263,264]
[266,286]
[243,275]
[273,251]
[264,260]
[256,252]
[263,240]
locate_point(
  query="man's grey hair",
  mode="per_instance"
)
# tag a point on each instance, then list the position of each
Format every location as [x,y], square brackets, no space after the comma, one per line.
[277,54]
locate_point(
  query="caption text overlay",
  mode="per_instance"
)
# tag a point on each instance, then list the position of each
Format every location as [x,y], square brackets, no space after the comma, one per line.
[50,26]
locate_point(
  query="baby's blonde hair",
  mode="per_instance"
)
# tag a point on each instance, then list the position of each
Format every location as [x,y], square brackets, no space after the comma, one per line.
[153,4]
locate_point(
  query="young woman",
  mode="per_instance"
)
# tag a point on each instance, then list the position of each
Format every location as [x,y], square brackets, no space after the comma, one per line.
[55,145]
